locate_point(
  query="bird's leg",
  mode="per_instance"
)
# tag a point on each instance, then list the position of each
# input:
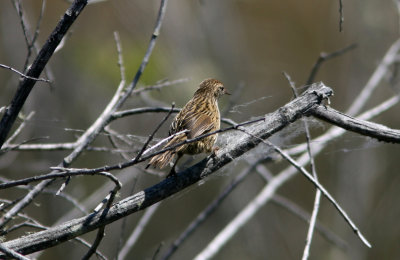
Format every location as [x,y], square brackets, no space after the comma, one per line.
[214,150]
[172,173]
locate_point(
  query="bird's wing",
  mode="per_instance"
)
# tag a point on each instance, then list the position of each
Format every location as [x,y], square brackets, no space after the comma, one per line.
[197,124]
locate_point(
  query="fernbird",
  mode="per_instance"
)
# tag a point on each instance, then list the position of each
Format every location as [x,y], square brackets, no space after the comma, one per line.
[199,116]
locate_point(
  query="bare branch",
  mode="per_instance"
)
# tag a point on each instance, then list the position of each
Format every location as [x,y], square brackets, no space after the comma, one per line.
[159,86]
[242,218]
[37,67]
[313,219]
[19,129]
[335,132]
[373,82]
[141,152]
[120,57]
[323,190]
[23,75]
[23,202]
[325,57]
[95,245]
[209,210]
[12,253]
[133,238]
[373,130]
[341,19]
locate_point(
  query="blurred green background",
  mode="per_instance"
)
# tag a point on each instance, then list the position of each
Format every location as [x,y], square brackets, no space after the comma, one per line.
[244,44]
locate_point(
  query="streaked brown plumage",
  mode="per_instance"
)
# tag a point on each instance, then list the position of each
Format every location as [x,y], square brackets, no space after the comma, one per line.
[199,116]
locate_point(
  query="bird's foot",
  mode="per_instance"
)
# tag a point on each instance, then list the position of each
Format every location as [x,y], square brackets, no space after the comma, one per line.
[215,149]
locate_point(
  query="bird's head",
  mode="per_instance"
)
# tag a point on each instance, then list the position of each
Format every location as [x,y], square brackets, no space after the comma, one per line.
[212,87]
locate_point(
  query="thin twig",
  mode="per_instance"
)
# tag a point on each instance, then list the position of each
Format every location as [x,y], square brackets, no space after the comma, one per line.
[12,253]
[249,211]
[38,23]
[124,224]
[23,202]
[65,172]
[23,75]
[209,210]
[142,110]
[137,157]
[35,224]
[93,199]
[233,98]
[19,129]
[154,36]
[19,9]
[88,245]
[313,219]
[297,211]
[67,197]
[81,171]
[159,85]
[110,197]
[113,134]
[95,245]
[32,43]
[157,251]
[317,199]
[101,231]
[325,57]
[317,185]
[133,238]
[37,67]
[120,56]
[341,19]
[376,77]
[108,200]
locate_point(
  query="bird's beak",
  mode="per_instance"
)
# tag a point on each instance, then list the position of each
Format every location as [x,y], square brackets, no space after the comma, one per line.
[226,92]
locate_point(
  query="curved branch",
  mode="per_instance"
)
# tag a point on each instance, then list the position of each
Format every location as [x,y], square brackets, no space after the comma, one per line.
[373,130]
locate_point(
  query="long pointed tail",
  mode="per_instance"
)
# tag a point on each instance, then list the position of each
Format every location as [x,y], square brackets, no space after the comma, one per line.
[162,160]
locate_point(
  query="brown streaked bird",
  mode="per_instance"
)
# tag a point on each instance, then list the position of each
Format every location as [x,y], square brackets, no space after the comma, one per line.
[199,116]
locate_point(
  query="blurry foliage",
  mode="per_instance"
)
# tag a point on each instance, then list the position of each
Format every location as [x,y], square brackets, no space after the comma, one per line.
[100,60]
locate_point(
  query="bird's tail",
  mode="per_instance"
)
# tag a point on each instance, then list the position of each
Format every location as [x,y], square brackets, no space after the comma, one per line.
[162,160]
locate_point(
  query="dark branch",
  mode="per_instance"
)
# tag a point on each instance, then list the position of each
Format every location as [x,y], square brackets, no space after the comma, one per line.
[37,67]
[325,57]
[373,130]
[22,74]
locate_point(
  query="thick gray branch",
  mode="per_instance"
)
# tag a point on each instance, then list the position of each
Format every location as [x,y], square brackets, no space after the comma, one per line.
[377,131]
[243,142]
